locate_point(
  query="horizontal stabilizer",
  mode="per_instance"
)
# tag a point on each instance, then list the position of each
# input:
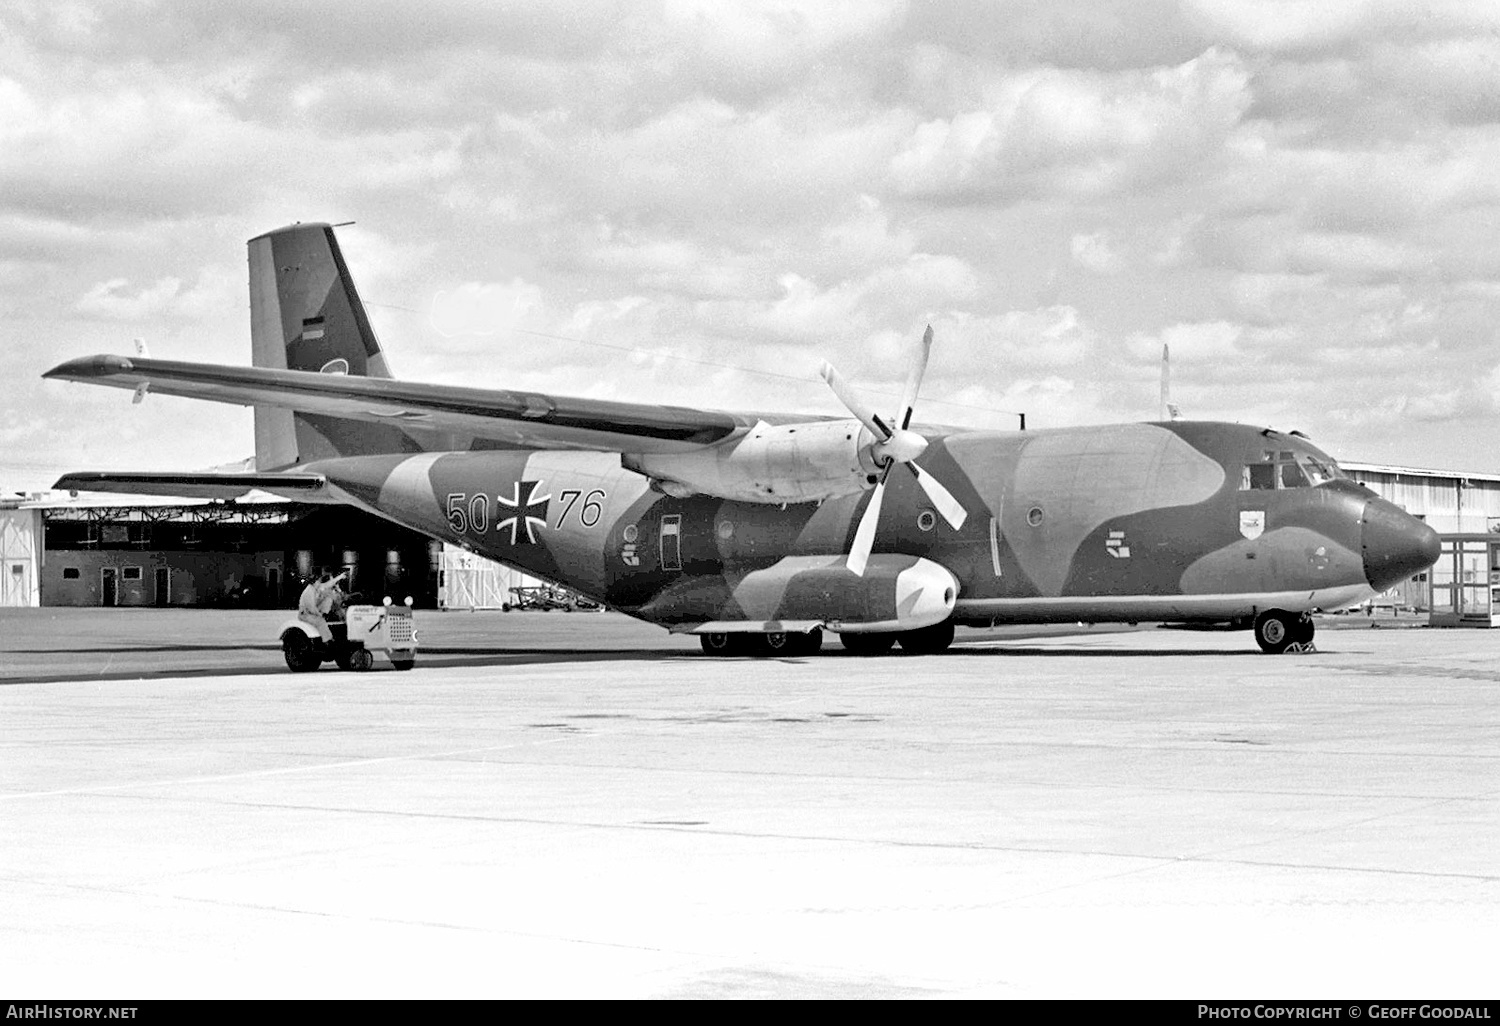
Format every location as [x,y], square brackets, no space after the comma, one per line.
[521,419]
[203,485]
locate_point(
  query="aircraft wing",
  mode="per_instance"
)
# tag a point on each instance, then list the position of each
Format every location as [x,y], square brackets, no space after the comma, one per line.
[522,419]
[202,485]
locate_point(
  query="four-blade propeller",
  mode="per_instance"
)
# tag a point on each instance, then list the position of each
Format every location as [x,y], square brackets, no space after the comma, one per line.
[894,443]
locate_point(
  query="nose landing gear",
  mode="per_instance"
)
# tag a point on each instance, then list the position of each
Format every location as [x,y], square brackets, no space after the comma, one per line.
[1278,631]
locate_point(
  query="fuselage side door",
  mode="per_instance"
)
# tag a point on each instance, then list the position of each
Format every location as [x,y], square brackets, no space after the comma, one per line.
[671,541]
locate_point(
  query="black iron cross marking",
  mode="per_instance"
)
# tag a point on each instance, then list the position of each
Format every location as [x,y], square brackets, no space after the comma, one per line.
[530,511]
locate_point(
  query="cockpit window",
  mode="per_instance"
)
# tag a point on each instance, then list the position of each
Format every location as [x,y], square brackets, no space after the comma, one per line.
[1283,468]
[1318,472]
[1258,476]
[1292,476]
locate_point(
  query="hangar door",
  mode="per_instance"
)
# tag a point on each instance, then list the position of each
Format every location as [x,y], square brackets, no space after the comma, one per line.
[18,558]
[472,582]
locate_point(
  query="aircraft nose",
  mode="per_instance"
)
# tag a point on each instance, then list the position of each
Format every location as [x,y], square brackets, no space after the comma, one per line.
[1396,545]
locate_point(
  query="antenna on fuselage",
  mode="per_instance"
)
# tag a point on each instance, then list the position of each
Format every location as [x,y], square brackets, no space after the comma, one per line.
[1169,410]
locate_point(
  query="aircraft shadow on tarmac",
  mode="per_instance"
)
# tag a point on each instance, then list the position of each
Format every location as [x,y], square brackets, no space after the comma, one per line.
[120,665]
[132,662]
[1089,653]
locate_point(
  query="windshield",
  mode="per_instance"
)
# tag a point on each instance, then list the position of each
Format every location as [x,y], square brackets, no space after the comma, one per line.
[1279,469]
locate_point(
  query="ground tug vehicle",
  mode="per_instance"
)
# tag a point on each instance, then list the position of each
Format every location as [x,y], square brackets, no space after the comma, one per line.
[364,630]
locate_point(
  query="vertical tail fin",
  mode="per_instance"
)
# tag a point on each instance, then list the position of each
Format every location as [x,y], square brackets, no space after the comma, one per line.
[306,315]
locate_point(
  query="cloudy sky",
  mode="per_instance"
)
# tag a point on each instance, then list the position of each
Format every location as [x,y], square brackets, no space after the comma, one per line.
[696,202]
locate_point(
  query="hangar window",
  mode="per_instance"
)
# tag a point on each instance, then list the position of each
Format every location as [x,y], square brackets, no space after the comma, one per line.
[132,573]
[70,573]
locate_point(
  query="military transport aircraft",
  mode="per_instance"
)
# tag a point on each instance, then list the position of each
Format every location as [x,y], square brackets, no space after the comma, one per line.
[759,531]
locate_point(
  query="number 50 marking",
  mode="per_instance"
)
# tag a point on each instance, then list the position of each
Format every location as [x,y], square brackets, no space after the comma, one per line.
[477,517]
[591,510]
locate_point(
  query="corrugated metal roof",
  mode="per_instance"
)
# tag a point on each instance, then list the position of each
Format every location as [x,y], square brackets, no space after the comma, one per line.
[1382,468]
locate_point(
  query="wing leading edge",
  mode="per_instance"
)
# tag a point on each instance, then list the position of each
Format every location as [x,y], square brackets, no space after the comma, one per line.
[523,419]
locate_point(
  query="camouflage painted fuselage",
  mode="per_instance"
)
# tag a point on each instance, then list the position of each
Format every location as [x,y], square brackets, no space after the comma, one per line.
[1116,523]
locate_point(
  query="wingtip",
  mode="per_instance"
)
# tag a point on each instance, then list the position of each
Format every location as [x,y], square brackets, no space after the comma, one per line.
[96,366]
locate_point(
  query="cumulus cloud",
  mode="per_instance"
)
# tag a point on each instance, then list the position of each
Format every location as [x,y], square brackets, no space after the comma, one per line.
[697,202]
[108,299]
[1095,253]
[114,299]
[1080,133]
[1290,26]
[1189,343]
[475,308]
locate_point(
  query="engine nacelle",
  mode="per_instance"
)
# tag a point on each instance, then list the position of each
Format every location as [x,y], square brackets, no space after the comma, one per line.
[775,463]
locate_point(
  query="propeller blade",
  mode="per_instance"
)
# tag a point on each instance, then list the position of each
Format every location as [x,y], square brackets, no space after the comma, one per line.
[943,499]
[914,379]
[855,403]
[864,536]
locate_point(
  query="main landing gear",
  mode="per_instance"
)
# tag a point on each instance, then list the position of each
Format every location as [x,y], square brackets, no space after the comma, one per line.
[1278,631]
[776,643]
[923,641]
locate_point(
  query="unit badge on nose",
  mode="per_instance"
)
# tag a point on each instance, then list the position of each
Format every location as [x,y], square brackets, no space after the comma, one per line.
[530,511]
[1252,523]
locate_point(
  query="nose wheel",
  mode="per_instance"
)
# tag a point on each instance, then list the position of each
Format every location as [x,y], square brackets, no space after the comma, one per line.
[1278,631]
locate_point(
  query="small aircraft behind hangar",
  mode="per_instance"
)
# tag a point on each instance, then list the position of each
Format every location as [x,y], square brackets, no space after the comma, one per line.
[759,531]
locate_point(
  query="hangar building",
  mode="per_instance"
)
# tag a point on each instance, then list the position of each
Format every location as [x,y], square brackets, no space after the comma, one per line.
[61,550]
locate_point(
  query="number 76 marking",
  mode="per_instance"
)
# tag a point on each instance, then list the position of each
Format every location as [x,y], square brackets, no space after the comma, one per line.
[591,510]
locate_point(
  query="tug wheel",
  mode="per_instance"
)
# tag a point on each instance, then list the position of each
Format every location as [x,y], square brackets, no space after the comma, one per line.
[299,653]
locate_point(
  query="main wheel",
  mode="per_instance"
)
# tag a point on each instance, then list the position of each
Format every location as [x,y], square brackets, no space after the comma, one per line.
[786,643]
[777,643]
[718,644]
[793,643]
[298,650]
[927,640]
[867,644]
[361,659]
[1276,630]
